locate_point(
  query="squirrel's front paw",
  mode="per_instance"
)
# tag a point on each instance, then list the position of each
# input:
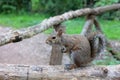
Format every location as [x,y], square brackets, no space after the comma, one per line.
[63,49]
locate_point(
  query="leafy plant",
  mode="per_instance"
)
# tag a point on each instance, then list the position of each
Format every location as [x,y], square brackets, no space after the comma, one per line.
[105,2]
[10,6]
[35,5]
[60,6]
[108,15]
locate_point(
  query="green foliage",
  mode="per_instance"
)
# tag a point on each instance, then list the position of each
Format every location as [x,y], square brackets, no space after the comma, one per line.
[115,14]
[8,8]
[15,6]
[35,5]
[60,6]
[105,2]
[55,7]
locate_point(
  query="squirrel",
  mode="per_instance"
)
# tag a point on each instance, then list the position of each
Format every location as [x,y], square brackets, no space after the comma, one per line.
[81,49]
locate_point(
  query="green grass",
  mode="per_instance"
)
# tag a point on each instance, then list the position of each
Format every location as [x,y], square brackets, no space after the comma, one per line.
[20,21]
[106,60]
[74,26]
[110,28]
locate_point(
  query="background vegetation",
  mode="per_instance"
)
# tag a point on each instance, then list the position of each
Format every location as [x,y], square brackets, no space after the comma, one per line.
[23,13]
[54,7]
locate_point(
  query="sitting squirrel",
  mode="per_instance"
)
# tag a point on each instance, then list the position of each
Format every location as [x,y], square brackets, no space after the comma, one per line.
[81,49]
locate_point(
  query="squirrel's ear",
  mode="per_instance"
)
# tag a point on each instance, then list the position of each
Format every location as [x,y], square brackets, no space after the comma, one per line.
[60,31]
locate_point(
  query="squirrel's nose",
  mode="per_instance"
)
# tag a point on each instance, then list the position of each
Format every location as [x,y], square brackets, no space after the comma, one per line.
[46,42]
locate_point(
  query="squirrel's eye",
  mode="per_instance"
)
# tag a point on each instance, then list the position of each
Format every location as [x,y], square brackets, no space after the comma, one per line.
[53,37]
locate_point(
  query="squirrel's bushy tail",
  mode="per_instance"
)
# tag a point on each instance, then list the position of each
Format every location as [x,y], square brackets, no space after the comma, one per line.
[97,43]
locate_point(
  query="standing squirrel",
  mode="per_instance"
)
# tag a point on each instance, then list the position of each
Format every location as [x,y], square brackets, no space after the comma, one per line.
[81,49]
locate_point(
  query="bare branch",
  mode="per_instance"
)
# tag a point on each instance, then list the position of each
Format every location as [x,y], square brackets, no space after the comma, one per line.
[97,25]
[47,23]
[88,25]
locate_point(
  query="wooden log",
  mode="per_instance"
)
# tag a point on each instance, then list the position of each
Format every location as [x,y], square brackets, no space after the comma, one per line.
[46,72]
[111,50]
[18,35]
[56,54]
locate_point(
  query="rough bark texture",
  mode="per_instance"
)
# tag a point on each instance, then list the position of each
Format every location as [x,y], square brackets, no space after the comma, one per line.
[88,25]
[110,48]
[97,25]
[22,72]
[43,72]
[59,26]
[56,55]
[18,35]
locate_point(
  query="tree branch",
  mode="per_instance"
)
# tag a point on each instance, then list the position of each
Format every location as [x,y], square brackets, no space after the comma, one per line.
[97,25]
[88,25]
[18,35]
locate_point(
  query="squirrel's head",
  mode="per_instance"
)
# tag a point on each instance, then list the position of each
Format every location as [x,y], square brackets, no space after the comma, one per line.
[55,38]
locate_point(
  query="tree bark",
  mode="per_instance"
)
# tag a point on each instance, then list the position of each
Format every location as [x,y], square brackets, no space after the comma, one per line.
[111,50]
[56,54]
[97,25]
[87,28]
[18,35]
[44,72]
[59,26]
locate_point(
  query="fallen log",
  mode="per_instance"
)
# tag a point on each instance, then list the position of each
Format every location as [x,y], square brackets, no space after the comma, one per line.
[46,72]
[18,35]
